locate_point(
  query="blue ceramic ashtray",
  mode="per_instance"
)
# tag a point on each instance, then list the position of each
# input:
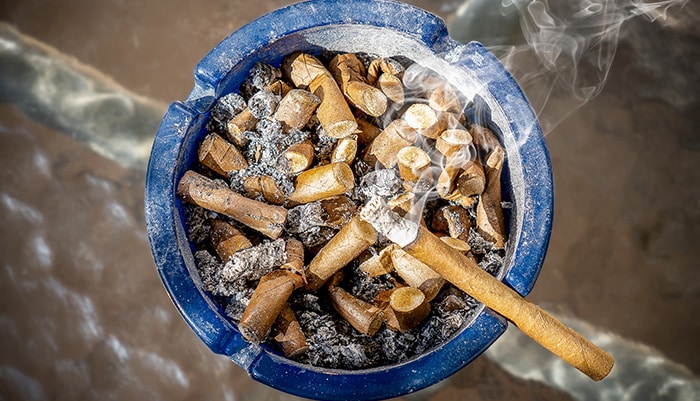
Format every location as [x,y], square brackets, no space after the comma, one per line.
[382,28]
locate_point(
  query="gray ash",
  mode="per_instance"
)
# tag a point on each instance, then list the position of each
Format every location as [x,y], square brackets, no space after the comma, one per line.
[196,218]
[384,182]
[478,243]
[308,223]
[259,77]
[323,144]
[492,262]
[263,104]
[251,264]
[225,108]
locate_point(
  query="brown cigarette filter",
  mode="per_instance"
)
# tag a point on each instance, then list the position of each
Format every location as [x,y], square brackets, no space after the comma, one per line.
[323,182]
[333,112]
[425,119]
[288,334]
[414,164]
[220,155]
[268,300]
[349,73]
[408,307]
[392,87]
[396,136]
[296,108]
[416,273]
[549,332]
[345,150]
[353,239]
[199,190]
[226,239]
[265,187]
[240,123]
[363,316]
[489,214]
[472,180]
[299,156]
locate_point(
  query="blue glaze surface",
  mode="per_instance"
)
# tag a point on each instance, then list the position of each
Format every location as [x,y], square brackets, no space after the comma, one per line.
[528,182]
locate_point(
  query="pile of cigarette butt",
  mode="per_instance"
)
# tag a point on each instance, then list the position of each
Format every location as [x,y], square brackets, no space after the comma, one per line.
[275,206]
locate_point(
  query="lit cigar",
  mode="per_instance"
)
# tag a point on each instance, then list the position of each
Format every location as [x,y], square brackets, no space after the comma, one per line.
[392,87]
[466,275]
[414,164]
[345,150]
[199,190]
[299,156]
[349,73]
[265,187]
[226,239]
[323,182]
[425,119]
[353,239]
[268,300]
[471,181]
[240,123]
[408,307]
[416,273]
[363,316]
[296,108]
[221,156]
[333,112]
[288,334]
[396,136]
[271,294]
[489,214]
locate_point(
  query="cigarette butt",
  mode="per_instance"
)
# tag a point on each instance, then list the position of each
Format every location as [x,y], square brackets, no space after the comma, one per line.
[396,136]
[294,262]
[299,156]
[333,112]
[483,138]
[323,182]
[349,72]
[408,307]
[383,65]
[444,98]
[416,273]
[472,180]
[414,165]
[199,190]
[489,214]
[268,300]
[265,187]
[345,150]
[425,119]
[379,264]
[457,244]
[367,132]
[462,200]
[279,88]
[220,155]
[353,239]
[296,108]
[392,87]
[363,316]
[226,239]
[529,318]
[238,125]
[454,143]
[446,180]
[288,334]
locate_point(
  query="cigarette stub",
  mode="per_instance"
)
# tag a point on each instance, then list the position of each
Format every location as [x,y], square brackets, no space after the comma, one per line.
[379,264]
[472,180]
[416,273]
[296,108]
[453,144]
[414,164]
[396,136]
[288,334]
[299,156]
[529,318]
[240,123]
[268,300]
[408,307]
[444,98]
[489,214]
[333,112]
[226,239]
[220,156]
[349,73]
[199,190]
[345,150]
[265,187]
[392,87]
[425,119]
[363,316]
[353,239]
[323,182]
